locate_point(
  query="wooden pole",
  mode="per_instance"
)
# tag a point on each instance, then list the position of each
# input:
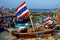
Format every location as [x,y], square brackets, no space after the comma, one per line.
[30,16]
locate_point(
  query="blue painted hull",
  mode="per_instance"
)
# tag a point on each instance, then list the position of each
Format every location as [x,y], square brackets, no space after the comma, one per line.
[2,28]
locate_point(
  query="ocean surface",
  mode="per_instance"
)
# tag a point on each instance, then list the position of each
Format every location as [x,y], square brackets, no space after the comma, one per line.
[42,10]
[34,10]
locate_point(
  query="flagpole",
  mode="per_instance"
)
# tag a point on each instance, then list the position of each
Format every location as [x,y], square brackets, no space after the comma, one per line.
[30,16]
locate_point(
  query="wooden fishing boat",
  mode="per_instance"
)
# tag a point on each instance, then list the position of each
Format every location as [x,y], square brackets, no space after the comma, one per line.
[33,34]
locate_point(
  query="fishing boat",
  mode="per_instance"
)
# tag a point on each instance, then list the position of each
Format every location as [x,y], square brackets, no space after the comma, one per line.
[33,34]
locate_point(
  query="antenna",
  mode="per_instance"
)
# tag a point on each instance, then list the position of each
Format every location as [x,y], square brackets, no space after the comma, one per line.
[57,10]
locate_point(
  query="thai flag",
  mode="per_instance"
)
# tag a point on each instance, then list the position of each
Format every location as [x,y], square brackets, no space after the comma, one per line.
[47,21]
[22,11]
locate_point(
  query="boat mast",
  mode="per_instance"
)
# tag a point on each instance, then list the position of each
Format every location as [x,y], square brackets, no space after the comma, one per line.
[30,16]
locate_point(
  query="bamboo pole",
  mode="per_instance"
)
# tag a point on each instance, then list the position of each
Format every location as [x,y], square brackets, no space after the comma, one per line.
[30,16]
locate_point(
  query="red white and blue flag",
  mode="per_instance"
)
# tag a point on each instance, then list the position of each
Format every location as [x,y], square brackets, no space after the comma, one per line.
[47,21]
[22,11]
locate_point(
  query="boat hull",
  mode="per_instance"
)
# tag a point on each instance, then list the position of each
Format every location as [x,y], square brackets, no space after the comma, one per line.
[25,35]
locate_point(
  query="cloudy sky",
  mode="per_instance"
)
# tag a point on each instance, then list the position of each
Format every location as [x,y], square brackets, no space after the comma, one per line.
[33,4]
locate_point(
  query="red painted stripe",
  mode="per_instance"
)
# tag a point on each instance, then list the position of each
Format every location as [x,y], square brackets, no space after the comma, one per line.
[47,23]
[20,5]
[25,14]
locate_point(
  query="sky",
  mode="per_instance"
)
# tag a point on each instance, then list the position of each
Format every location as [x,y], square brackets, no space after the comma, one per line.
[33,4]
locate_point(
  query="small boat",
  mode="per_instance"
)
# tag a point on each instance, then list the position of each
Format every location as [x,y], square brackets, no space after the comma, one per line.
[33,34]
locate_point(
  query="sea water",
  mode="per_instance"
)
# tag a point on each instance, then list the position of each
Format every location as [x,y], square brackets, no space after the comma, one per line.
[33,10]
